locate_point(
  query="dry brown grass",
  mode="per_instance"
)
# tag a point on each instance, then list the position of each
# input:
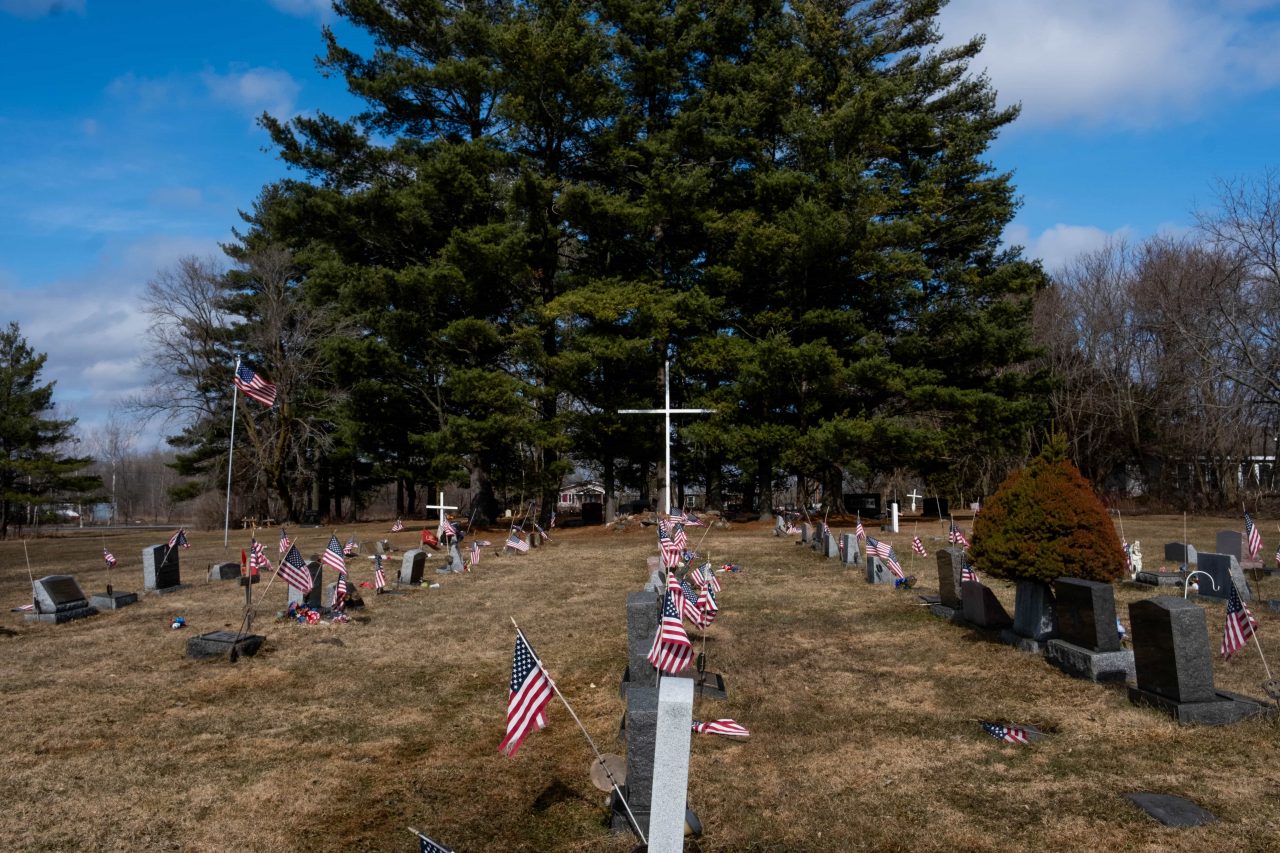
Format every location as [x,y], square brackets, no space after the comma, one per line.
[860,704]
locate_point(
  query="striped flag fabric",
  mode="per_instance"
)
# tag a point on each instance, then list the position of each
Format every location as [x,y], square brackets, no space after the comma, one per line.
[379,577]
[671,552]
[884,551]
[671,651]
[1253,536]
[689,608]
[1278,556]
[179,539]
[968,572]
[253,385]
[707,602]
[678,535]
[860,532]
[426,845]
[109,558]
[713,582]
[284,541]
[515,543]
[1008,734]
[918,547]
[1239,627]
[398,526]
[956,536]
[727,728]
[294,571]
[332,556]
[350,549]
[530,692]
[447,528]
[538,529]
[258,560]
[340,590]
[475,555]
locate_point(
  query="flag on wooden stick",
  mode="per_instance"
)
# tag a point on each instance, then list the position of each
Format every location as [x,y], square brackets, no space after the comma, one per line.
[527,702]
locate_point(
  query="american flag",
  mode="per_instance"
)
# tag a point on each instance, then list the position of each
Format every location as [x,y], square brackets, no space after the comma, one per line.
[530,693]
[1008,734]
[678,535]
[956,536]
[332,556]
[728,728]
[968,572]
[284,541]
[179,539]
[860,531]
[918,547]
[671,552]
[691,520]
[551,522]
[515,543]
[447,528]
[258,558]
[340,590]
[884,551]
[398,526]
[253,385]
[713,582]
[349,550]
[1240,624]
[671,651]
[1255,538]
[689,606]
[707,602]
[426,845]
[109,558]
[541,532]
[294,571]
[379,577]
[475,554]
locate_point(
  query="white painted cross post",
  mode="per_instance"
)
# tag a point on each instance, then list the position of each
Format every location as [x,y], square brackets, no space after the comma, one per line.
[440,506]
[666,412]
[912,494]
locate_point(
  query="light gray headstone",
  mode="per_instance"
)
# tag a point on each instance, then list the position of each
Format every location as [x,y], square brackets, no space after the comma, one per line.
[1225,570]
[806,532]
[950,569]
[877,571]
[671,766]
[852,553]
[642,729]
[830,546]
[1180,553]
[412,565]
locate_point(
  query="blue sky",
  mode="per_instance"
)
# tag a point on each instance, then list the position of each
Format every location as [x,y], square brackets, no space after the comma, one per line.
[127,139]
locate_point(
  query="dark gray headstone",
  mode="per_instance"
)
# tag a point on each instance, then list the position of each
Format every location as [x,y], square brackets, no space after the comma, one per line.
[412,565]
[1159,578]
[852,552]
[1225,570]
[642,736]
[1229,542]
[1171,810]
[220,643]
[1033,611]
[314,599]
[950,568]
[982,608]
[54,593]
[160,570]
[224,571]
[642,627]
[806,532]
[935,507]
[1086,612]
[1180,553]
[113,600]
[1171,649]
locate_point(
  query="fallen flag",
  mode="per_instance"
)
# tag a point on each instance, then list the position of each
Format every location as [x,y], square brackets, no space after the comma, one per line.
[727,728]
[1008,734]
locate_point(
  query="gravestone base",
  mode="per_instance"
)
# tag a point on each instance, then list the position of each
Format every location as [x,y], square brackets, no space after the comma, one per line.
[113,600]
[1080,662]
[619,822]
[1158,579]
[1170,810]
[164,590]
[224,571]
[950,614]
[220,643]
[1023,644]
[1225,709]
[62,615]
[710,685]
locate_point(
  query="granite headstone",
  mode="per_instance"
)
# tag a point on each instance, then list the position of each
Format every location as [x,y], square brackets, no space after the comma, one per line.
[412,565]
[313,598]
[1088,642]
[160,569]
[1180,553]
[58,599]
[670,766]
[1225,571]
[1229,542]
[981,607]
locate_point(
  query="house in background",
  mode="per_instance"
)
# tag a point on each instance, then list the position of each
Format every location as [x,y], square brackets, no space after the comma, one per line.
[572,497]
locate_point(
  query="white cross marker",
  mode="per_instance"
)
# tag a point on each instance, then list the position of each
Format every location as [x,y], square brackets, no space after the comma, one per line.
[667,412]
[912,494]
[440,506]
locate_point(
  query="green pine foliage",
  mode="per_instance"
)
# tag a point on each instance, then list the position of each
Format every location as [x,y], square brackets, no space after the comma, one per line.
[1047,522]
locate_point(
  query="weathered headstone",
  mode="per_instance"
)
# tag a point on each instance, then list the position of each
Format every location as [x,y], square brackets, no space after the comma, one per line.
[1088,643]
[160,569]
[1225,570]
[224,571]
[641,728]
[878,572]
[314,597]
[852,555]
[1171,810]
[671,766]
[642,627]
[806,532]
[1033,617]
[1156,578]
[1180,553]
[830,546]
[412,565]
[1229,542]
[950,571]
[113,600]
[224,644]
[981,607]
[1173,667]
[656,583]
[58,599]
[779,525]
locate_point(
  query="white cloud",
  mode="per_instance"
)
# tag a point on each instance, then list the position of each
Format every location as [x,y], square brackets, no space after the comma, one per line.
[1059,245]
[321,9]
[1135,63]
[40,8]
[255,90]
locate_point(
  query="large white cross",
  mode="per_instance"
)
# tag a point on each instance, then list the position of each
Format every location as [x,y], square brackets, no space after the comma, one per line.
[912,494]
[666,411]
[440,506]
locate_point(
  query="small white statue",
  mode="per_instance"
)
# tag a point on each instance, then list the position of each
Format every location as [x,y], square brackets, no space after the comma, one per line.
[1135,557]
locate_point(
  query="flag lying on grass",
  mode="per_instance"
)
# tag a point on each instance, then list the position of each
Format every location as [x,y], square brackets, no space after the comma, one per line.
[728,728]
[426,845]
[530,693]
[1008,734]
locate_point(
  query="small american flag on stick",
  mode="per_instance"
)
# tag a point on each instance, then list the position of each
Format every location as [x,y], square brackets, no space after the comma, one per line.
[258,560]
[109,558]
[332,556]
[284,541]
[398,526]
[379,577]
[515,543]
[1253,536]
[918,547]
[956,536]
[671,651]
[179,539]
[530,692]
[1240,624]
[860,532]
[294,571]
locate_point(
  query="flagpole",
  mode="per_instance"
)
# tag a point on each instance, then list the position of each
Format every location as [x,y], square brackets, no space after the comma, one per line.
[30,576]
[231,449]
[600,758]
